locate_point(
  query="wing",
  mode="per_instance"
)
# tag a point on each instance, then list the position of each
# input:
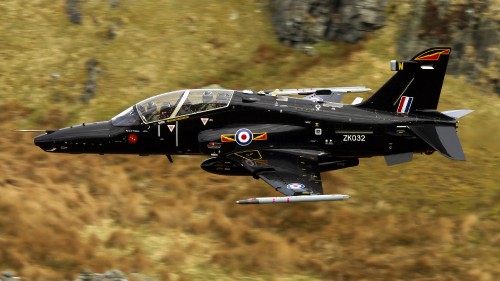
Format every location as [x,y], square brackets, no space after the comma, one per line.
[291,172]
[333,94]
[323,91]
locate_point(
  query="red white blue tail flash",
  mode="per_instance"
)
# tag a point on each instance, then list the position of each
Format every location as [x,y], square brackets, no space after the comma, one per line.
[404,104]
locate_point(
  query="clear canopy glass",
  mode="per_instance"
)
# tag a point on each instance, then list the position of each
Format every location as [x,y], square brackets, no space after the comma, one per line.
[172,105]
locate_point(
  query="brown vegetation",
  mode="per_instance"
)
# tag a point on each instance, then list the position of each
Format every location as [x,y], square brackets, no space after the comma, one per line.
[62,213]
[432,219]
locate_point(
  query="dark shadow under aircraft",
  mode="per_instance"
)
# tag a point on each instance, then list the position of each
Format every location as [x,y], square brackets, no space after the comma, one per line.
[284,140]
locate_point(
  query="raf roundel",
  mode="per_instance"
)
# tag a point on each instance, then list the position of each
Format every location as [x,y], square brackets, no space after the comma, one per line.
[244,137]
[294,186]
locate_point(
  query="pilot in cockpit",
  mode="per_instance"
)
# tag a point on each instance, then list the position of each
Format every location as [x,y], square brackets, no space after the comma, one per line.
[208,97]
[166,110]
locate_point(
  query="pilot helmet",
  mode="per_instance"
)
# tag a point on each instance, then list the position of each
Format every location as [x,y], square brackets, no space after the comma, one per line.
[207,96]
[166,109]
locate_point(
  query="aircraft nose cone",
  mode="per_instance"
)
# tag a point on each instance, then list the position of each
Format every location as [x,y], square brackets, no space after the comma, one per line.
[73,139]
[43,140]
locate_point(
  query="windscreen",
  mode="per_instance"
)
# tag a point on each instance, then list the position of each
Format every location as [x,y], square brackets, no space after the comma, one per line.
[129,117]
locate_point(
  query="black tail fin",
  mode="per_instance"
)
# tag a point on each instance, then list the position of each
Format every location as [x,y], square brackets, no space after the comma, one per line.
[416,85]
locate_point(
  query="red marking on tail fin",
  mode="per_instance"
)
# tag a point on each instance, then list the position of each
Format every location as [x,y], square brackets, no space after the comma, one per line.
[433,55]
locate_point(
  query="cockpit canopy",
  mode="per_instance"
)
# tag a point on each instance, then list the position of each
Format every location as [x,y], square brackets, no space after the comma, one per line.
[172,105]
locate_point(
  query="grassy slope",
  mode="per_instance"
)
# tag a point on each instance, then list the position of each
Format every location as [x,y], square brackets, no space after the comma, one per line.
[432,219]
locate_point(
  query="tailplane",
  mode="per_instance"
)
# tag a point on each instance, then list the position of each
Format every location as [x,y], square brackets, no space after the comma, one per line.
[442,138]
[416,85]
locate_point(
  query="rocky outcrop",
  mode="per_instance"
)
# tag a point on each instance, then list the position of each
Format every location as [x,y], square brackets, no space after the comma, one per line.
[74,11]
[310,21]
[471,28]
[90,90]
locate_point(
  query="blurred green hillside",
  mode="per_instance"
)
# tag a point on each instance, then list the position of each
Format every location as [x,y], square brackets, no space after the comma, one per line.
[431,219]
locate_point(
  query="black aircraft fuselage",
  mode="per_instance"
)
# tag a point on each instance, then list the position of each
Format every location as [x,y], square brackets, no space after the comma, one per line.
[289,123]
[286,141]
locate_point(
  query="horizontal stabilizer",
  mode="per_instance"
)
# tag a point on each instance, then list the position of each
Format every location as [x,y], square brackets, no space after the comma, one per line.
[457,113]
[442,138]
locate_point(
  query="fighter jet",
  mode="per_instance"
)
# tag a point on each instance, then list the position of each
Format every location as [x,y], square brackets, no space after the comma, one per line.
[285,137]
